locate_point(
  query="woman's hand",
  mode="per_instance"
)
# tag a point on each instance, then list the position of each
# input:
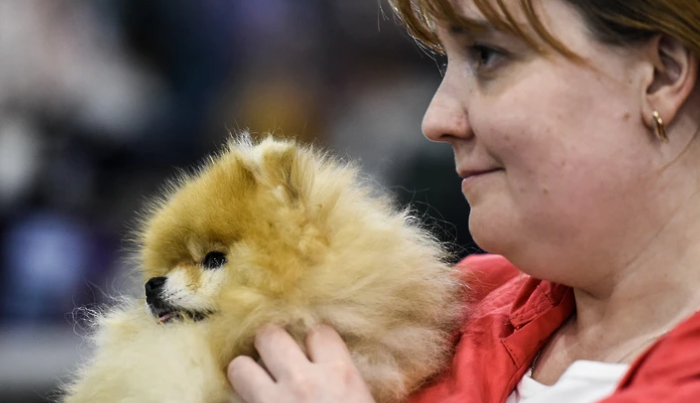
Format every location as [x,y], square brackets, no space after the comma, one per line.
[326,375]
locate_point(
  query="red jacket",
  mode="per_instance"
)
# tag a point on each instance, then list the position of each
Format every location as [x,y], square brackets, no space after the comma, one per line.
[514,315]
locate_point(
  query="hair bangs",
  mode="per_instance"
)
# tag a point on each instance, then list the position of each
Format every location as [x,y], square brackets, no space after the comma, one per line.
[422,17]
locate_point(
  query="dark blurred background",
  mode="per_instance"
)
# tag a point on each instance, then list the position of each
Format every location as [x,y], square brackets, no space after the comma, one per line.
[101,100]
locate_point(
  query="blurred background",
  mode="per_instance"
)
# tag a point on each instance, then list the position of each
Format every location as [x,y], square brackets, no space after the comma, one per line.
[101,100]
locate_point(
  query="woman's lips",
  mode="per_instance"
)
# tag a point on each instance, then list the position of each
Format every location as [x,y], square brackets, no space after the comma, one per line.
[471,177]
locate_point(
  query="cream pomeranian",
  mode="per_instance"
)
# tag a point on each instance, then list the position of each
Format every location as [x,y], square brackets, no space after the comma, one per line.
[273,232]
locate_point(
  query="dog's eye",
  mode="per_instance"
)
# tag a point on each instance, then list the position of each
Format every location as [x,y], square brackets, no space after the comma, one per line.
[214,260]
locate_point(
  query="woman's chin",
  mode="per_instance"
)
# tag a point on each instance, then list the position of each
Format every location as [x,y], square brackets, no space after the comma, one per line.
[491,233]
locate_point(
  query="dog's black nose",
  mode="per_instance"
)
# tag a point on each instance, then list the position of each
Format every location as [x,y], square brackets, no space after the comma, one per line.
[154,285]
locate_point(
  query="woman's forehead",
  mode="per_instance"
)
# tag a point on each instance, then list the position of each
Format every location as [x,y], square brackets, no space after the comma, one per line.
[477,16]
[524,19]
[494,12]
[542,26]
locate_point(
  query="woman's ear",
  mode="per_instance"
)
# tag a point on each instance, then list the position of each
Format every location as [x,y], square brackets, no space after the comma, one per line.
[674,77]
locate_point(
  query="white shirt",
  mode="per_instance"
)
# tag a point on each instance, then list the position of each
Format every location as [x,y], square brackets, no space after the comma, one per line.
[583,382]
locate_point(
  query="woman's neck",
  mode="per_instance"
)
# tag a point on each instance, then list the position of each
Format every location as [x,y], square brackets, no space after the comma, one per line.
[655,282]
[652,293]
[618,317]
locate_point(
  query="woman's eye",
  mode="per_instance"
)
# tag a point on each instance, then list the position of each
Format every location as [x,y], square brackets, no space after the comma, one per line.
[484,56]
[214,260]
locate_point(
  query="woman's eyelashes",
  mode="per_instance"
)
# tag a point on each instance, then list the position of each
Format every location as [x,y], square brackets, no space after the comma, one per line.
[484,58]
[481,59]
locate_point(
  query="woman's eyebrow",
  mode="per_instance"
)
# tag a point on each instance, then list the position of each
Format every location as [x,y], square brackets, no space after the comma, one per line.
[472,27]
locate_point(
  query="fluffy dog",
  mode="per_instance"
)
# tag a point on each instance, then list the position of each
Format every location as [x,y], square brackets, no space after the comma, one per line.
[273,233]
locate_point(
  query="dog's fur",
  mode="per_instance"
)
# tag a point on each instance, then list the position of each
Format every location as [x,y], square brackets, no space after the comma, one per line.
[305,243]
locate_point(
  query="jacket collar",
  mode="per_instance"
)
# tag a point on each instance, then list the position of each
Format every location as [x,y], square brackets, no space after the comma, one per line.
[539,309]
[537,297]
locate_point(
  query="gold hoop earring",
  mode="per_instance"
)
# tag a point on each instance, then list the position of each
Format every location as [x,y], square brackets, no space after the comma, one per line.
[659,127]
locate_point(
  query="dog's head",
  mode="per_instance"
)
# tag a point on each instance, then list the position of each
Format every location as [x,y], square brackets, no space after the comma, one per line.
[240,228]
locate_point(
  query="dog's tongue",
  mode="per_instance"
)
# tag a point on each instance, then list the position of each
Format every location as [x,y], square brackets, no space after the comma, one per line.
[168,316]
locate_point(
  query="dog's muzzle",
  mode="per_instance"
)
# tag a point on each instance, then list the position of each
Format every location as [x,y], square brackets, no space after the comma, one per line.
[161,309]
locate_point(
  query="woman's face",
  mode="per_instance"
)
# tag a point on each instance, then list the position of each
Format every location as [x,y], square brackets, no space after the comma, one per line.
[558,161]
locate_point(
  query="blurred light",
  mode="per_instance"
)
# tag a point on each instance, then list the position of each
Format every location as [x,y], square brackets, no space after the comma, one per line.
[19,158]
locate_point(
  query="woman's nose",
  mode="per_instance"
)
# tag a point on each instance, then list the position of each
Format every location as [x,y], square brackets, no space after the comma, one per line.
[446,118]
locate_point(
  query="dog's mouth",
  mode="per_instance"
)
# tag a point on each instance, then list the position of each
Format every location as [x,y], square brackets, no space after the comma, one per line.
[168,313]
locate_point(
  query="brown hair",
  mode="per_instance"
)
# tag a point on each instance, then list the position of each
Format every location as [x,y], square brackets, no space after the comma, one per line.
[615,22]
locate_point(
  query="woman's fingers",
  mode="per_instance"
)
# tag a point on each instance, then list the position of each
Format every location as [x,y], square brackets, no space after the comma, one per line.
[332,377]
[280,353]
[250,381]
[324,344]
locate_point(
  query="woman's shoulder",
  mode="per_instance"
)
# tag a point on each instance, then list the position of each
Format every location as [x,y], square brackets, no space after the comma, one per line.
[509,314]
[668,371]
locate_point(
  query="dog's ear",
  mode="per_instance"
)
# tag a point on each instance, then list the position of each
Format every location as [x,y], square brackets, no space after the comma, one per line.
[284,163]
[241,170]
[244,173]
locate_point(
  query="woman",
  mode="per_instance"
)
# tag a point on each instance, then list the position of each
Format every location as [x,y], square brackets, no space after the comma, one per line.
[574,125]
